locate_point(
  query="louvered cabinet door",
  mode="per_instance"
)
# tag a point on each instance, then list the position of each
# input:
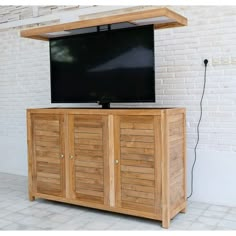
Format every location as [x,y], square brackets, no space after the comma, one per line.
[89,164]
[138,172]
[48,154]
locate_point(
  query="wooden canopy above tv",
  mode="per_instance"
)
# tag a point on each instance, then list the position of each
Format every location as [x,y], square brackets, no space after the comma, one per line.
[160,17]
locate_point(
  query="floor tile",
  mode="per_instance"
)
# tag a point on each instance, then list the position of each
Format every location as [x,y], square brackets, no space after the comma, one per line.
[219,208]
[232,210]
[201,226]
[18,213]
[230,217]
[200,205]
[208,220]
[187,217]
[229,224]
[59,218]
[214,214]
[4,223]
[195,211]
[179,224]
[14,217]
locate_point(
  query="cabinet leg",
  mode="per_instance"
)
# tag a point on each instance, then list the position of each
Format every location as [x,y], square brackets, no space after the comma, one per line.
[184,210]
[31,197]
[166,224]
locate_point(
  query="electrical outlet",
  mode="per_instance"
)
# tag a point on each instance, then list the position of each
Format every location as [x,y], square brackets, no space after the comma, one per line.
[225,61]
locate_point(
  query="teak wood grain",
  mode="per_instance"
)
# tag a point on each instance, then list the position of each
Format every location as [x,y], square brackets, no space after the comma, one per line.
[177,20]
[131,161]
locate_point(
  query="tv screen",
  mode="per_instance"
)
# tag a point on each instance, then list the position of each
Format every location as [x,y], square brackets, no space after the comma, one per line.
[106,66]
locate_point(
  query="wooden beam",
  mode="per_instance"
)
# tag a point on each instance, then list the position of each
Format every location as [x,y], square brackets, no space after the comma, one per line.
[36,33]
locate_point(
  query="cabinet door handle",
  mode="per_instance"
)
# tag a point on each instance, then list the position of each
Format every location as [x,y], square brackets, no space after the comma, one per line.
[117,161]
[71,157]
[62,156]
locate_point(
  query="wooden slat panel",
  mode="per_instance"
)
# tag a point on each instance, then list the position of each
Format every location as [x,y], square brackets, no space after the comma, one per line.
[136,187]
[46,127]
[136,132]
[89,181]
[138,119]
[44,121]
[90,192]
[176,118]
[45,169]
[47,154]
[48,175]
[50,187]
[88,164]
[138,207]
[137,150]
[136,144]
[95,153]
[88,175]
[137,169]
[50,149]
[47,143]
[89,147]
[48,160]
[88,135]
[138,194]
[89,130]
[137,157]
[95,124]
[137,163]
[126,125]
[87,186]
[49,180]
[141,182]
[137,138]
[46,138]
[89,198]
[137,175]
[46,133]
[144,201]
[88,141]
[89,158]
[90,170]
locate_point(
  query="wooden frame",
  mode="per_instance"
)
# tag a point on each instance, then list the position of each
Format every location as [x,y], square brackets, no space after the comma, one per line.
[169,156]
[172,19]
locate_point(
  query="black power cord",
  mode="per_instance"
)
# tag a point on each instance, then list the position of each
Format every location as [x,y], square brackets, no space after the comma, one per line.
[199,121]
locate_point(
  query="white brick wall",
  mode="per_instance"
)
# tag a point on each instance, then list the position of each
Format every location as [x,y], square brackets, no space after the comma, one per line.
[211,34]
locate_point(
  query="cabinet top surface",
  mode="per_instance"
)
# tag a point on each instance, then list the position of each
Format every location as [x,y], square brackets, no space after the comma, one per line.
[124,111]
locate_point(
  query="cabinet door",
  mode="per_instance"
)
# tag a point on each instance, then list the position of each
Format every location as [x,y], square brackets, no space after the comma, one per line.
[138,169]
[48,154]
[89,158]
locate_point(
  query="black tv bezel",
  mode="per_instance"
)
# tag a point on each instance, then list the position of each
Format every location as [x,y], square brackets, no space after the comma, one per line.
[153,100]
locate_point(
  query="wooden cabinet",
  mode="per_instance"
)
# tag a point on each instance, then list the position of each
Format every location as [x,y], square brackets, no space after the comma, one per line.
[130,161]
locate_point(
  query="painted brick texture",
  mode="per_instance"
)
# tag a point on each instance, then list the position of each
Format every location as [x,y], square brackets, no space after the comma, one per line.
[179,52]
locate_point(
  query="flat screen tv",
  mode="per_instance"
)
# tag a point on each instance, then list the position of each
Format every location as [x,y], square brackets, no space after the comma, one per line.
[105,66]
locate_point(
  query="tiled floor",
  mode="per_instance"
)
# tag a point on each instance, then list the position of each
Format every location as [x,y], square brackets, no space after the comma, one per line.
[17,213]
